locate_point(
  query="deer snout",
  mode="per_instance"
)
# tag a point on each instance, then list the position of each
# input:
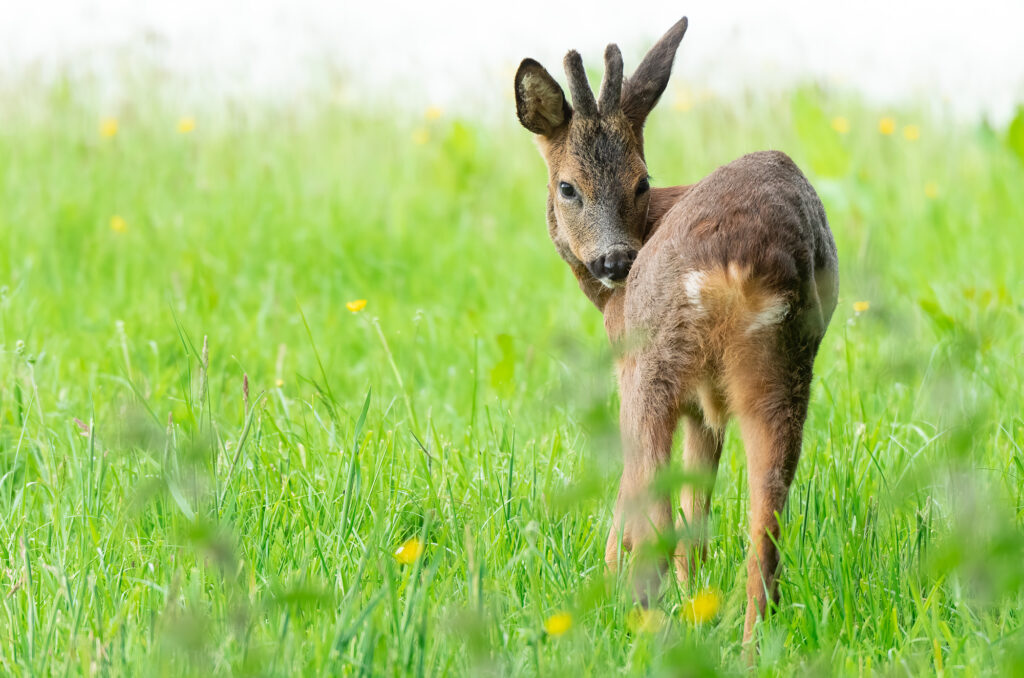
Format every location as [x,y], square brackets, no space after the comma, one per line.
[613,266]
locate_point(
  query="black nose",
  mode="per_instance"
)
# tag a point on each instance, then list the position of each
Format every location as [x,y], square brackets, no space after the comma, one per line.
[614,265]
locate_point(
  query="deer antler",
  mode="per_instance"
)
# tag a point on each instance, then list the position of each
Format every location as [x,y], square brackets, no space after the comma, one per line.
[582,96]
[611,85]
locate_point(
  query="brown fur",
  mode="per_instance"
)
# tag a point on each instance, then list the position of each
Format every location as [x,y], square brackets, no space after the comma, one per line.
[721,314]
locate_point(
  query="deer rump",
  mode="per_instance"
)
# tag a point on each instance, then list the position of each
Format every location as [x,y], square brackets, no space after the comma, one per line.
[745,250]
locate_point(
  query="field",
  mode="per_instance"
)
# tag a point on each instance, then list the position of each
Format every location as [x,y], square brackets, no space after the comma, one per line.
[214,460]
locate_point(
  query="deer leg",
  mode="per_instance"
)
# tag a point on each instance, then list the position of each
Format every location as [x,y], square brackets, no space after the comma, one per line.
[648,417]
[702,450]
[617,535]
[772,432]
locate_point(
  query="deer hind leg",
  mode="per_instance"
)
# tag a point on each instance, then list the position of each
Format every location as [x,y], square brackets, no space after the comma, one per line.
[771,405]
[648,417]
[702,450]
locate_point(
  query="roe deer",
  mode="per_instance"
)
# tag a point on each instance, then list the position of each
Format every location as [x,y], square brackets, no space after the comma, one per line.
[718,293]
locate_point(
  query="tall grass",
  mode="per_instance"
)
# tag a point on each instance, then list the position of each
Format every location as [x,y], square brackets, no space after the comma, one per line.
[208,462]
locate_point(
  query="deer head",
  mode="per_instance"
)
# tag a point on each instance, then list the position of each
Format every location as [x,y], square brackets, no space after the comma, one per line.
[598,187]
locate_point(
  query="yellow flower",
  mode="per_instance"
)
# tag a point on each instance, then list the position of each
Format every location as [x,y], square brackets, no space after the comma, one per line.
[861,306]
[356,305]
[279,383]
[186,125]
[118,224]
[887,126]
[702,607]
[108,127]
[911,132]
[931,190]
[647,620]
[409,552]
[432,113]
[420,137]
[557,624]
[841,124]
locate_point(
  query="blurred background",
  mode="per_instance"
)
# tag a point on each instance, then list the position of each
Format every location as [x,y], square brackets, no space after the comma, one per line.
[460,55]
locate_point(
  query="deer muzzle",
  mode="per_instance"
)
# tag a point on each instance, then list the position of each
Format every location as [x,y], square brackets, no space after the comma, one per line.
[612,267]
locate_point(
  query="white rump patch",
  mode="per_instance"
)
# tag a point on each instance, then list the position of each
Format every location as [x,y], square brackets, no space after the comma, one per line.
[772,314]
[693,283]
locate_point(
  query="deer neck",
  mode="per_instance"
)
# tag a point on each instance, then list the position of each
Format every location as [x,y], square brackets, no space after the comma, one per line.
[610,300]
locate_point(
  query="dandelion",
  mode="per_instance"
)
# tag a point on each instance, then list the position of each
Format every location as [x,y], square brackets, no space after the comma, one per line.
[702,607]
[886,126]
[841,124]
[861,306]
[118,224]
[356,305]
[931,190]
[409,552]
[108,127]
[646,620]
[432,113]
[186,125]
[420,136]
[557,624]
[911,132]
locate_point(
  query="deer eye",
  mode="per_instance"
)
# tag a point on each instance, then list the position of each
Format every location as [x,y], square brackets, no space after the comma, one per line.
[567,191]
[643,186]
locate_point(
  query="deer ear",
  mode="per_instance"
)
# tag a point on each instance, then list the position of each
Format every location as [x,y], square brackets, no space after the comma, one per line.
[540,102]
[643,89]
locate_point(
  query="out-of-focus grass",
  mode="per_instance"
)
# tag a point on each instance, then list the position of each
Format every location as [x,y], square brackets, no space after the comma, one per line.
[159,517]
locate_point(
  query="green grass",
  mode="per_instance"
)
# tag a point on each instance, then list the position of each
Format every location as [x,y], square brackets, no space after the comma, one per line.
[155,520]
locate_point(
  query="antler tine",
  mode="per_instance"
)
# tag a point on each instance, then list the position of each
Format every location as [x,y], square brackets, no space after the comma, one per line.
[611,84]
[582,96]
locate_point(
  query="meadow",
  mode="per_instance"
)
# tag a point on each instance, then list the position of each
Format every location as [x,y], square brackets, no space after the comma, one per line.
[304,389]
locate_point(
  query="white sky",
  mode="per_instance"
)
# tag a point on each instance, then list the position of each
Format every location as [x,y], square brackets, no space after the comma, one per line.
[462,54]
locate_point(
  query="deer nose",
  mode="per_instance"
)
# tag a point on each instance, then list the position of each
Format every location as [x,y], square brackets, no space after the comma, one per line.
[615,265]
